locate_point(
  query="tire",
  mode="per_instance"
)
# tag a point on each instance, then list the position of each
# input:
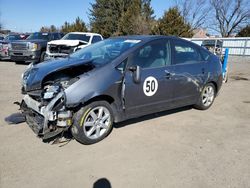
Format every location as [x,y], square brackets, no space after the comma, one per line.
[42,56]
[225,78]
[207,97]
[93,122]
[19,62]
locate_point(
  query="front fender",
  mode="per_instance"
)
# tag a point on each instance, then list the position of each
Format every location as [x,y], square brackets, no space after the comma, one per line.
[99,82]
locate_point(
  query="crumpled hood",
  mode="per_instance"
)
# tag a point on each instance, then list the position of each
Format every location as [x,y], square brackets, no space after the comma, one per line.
[67,42]
[35,74]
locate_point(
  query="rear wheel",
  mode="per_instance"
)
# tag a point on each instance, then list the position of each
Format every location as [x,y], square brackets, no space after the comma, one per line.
[225,77]
[207,97]
[93,122]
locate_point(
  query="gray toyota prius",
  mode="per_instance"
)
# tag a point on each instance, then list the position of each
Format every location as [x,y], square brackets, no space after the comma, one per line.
[114,80]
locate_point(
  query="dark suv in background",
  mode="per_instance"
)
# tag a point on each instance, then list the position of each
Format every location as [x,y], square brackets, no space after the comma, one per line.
[33,49]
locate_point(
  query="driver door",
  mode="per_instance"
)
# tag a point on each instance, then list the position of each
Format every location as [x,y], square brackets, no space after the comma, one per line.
[154,92]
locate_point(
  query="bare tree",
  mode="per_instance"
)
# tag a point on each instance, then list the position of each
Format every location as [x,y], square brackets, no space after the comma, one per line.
[195,12]
[230,15]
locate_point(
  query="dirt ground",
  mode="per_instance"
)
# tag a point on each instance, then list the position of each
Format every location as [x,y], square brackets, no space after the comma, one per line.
[182,148]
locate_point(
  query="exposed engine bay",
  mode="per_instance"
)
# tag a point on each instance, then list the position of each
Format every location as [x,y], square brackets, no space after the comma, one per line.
[44,108]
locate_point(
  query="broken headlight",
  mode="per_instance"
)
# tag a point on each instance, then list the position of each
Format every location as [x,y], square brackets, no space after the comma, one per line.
[51,91]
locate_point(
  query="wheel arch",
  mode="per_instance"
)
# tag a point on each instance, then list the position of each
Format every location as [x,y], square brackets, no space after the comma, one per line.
[215,85]
[106,98]
[115,109]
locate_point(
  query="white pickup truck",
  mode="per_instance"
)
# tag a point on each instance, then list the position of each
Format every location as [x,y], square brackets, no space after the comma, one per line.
[70,43]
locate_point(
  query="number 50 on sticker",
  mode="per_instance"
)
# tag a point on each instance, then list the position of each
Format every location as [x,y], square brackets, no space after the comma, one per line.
[150,86]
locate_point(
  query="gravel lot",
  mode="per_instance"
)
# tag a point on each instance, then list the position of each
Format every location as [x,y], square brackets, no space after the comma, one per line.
[182,148]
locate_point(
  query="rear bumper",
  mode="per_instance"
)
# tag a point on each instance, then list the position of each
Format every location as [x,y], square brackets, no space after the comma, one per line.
[26,56]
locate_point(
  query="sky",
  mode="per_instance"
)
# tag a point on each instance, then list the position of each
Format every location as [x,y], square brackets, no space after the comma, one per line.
[31,15]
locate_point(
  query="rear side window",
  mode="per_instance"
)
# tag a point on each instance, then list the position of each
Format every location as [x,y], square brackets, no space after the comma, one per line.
[96,39]
[185,53]
[61,35]
[56,36]
[205,54]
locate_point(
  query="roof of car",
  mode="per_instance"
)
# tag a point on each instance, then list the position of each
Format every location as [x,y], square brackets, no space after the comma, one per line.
[145,37]
[84,33]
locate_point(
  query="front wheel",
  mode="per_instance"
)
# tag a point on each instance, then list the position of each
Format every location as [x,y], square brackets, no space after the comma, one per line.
[93,122]
[42,57]
[207,97]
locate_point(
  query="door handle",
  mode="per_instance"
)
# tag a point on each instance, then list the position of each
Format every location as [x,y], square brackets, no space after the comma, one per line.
[168,74]
[203,70]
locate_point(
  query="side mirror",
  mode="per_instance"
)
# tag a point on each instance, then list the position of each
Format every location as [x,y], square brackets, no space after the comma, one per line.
[136,70]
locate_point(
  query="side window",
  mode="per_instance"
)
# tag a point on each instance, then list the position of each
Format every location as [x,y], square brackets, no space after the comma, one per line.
[52,36]
[56,36]
[205,54]
[96,39]
[121,67]
[154,54]
[61,35]
[185,53]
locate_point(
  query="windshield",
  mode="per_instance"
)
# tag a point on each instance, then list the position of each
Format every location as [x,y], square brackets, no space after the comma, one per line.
[105,51]
[74,36]
[43,36]
[13,37]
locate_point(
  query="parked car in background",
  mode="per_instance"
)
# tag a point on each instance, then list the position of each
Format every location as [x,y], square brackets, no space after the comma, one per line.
[33,49]
[117,79]
[5,44]
[70,43]
[213,45]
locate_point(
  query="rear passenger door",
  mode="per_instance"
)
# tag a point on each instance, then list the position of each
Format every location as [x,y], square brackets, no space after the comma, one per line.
[190,72]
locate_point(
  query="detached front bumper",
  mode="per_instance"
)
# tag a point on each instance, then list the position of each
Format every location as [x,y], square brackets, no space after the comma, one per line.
[46,121]
[25,56]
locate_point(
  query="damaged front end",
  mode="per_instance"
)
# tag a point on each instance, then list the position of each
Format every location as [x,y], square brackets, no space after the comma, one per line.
[63,50]
[47,117]
[44,101]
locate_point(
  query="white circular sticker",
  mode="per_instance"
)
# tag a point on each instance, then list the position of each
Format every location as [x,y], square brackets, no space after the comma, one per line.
[150,86]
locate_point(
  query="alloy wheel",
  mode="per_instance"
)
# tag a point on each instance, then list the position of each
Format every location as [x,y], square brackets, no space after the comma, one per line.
[208,95]
[97,122]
